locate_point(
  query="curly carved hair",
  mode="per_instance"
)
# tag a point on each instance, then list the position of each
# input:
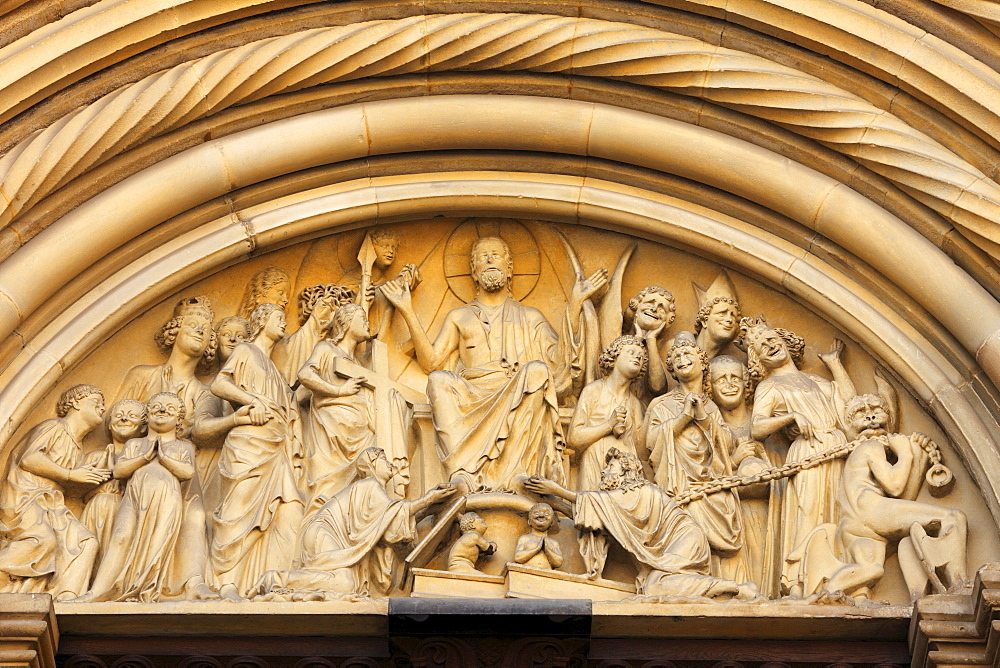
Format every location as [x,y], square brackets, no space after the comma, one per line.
[313,293]
[259,318]
[382,235]
[702,317]
[467,521]
[706,380]
[610,354]
[755,370]
[262,281]
[68,399]
[167,336]
[181,414]
[632,475]
[239,320]
[628,317]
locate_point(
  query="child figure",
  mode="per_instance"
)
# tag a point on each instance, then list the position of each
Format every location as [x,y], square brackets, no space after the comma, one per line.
[537,548]
[467,549]
[139,558]
[125,420]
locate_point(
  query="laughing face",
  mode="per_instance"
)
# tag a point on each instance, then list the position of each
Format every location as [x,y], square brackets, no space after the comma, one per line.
[771,349]
[652,312]
[728,383]
[686,363]
[723,321]
[194,336]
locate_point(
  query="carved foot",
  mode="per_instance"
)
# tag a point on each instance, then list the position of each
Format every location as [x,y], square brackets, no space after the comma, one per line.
[199,591]
[228,592]
[83,598]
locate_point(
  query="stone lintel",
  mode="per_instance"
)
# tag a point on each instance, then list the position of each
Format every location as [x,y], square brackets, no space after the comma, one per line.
[960,629]
[29,634]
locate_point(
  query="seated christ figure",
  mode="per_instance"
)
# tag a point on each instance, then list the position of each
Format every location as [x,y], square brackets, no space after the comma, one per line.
[496,414]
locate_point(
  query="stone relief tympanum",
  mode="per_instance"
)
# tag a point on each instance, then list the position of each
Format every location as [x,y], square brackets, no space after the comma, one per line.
[337,460]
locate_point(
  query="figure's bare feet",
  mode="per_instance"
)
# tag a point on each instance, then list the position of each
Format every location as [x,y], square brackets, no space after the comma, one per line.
[228,592]
[197,590]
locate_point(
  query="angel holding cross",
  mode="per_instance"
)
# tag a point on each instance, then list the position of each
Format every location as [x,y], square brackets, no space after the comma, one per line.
[346,415]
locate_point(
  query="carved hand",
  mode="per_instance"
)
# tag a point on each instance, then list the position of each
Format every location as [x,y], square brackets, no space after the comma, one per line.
[89,475]
[834,355]
[351,386]
[540,485]
[744,450]
[410,275]
[694,406]
[258,412]
[803,425]
[243,416]
[585,288]
[398,295]
[620,416]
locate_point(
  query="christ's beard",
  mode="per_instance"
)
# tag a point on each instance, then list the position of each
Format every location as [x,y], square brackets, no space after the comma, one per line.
[609,483]
[492,281]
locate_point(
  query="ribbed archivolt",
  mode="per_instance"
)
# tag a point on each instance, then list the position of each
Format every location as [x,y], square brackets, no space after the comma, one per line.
[756,86]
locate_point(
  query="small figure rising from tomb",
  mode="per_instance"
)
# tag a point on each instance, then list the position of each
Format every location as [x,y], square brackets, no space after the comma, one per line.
[538,548]
[470,546]
[45,547]
[497,413]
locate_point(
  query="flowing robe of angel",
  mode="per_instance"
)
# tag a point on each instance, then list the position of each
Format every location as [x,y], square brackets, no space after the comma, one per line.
[337,429]
[45,543]
[261,508]
[347,546]
[141,561]
[597,403]
[698,454]
[811,495]
[672,550]
[500,419]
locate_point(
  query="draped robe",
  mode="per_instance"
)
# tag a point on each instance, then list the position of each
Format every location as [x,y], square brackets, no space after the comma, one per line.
[671,549]
[500,420]
[347,546]
[597,404]
[44,542]
[144,556]
[261,509]
[699,453]
[811,495]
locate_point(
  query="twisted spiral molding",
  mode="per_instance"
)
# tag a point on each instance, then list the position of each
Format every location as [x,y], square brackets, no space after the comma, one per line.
[806,105]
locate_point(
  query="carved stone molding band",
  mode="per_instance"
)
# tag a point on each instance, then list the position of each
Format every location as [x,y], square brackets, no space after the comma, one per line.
[476,42]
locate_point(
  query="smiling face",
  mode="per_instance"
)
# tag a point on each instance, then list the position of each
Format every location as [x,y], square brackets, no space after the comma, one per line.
[686,363]
[723,321]
[275,294]
[126,421]
[230,335]
[653,311]
[629,362]
[728,383]
[540,518]
[771,349]
[163,413]
[193,336]
[491,264]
